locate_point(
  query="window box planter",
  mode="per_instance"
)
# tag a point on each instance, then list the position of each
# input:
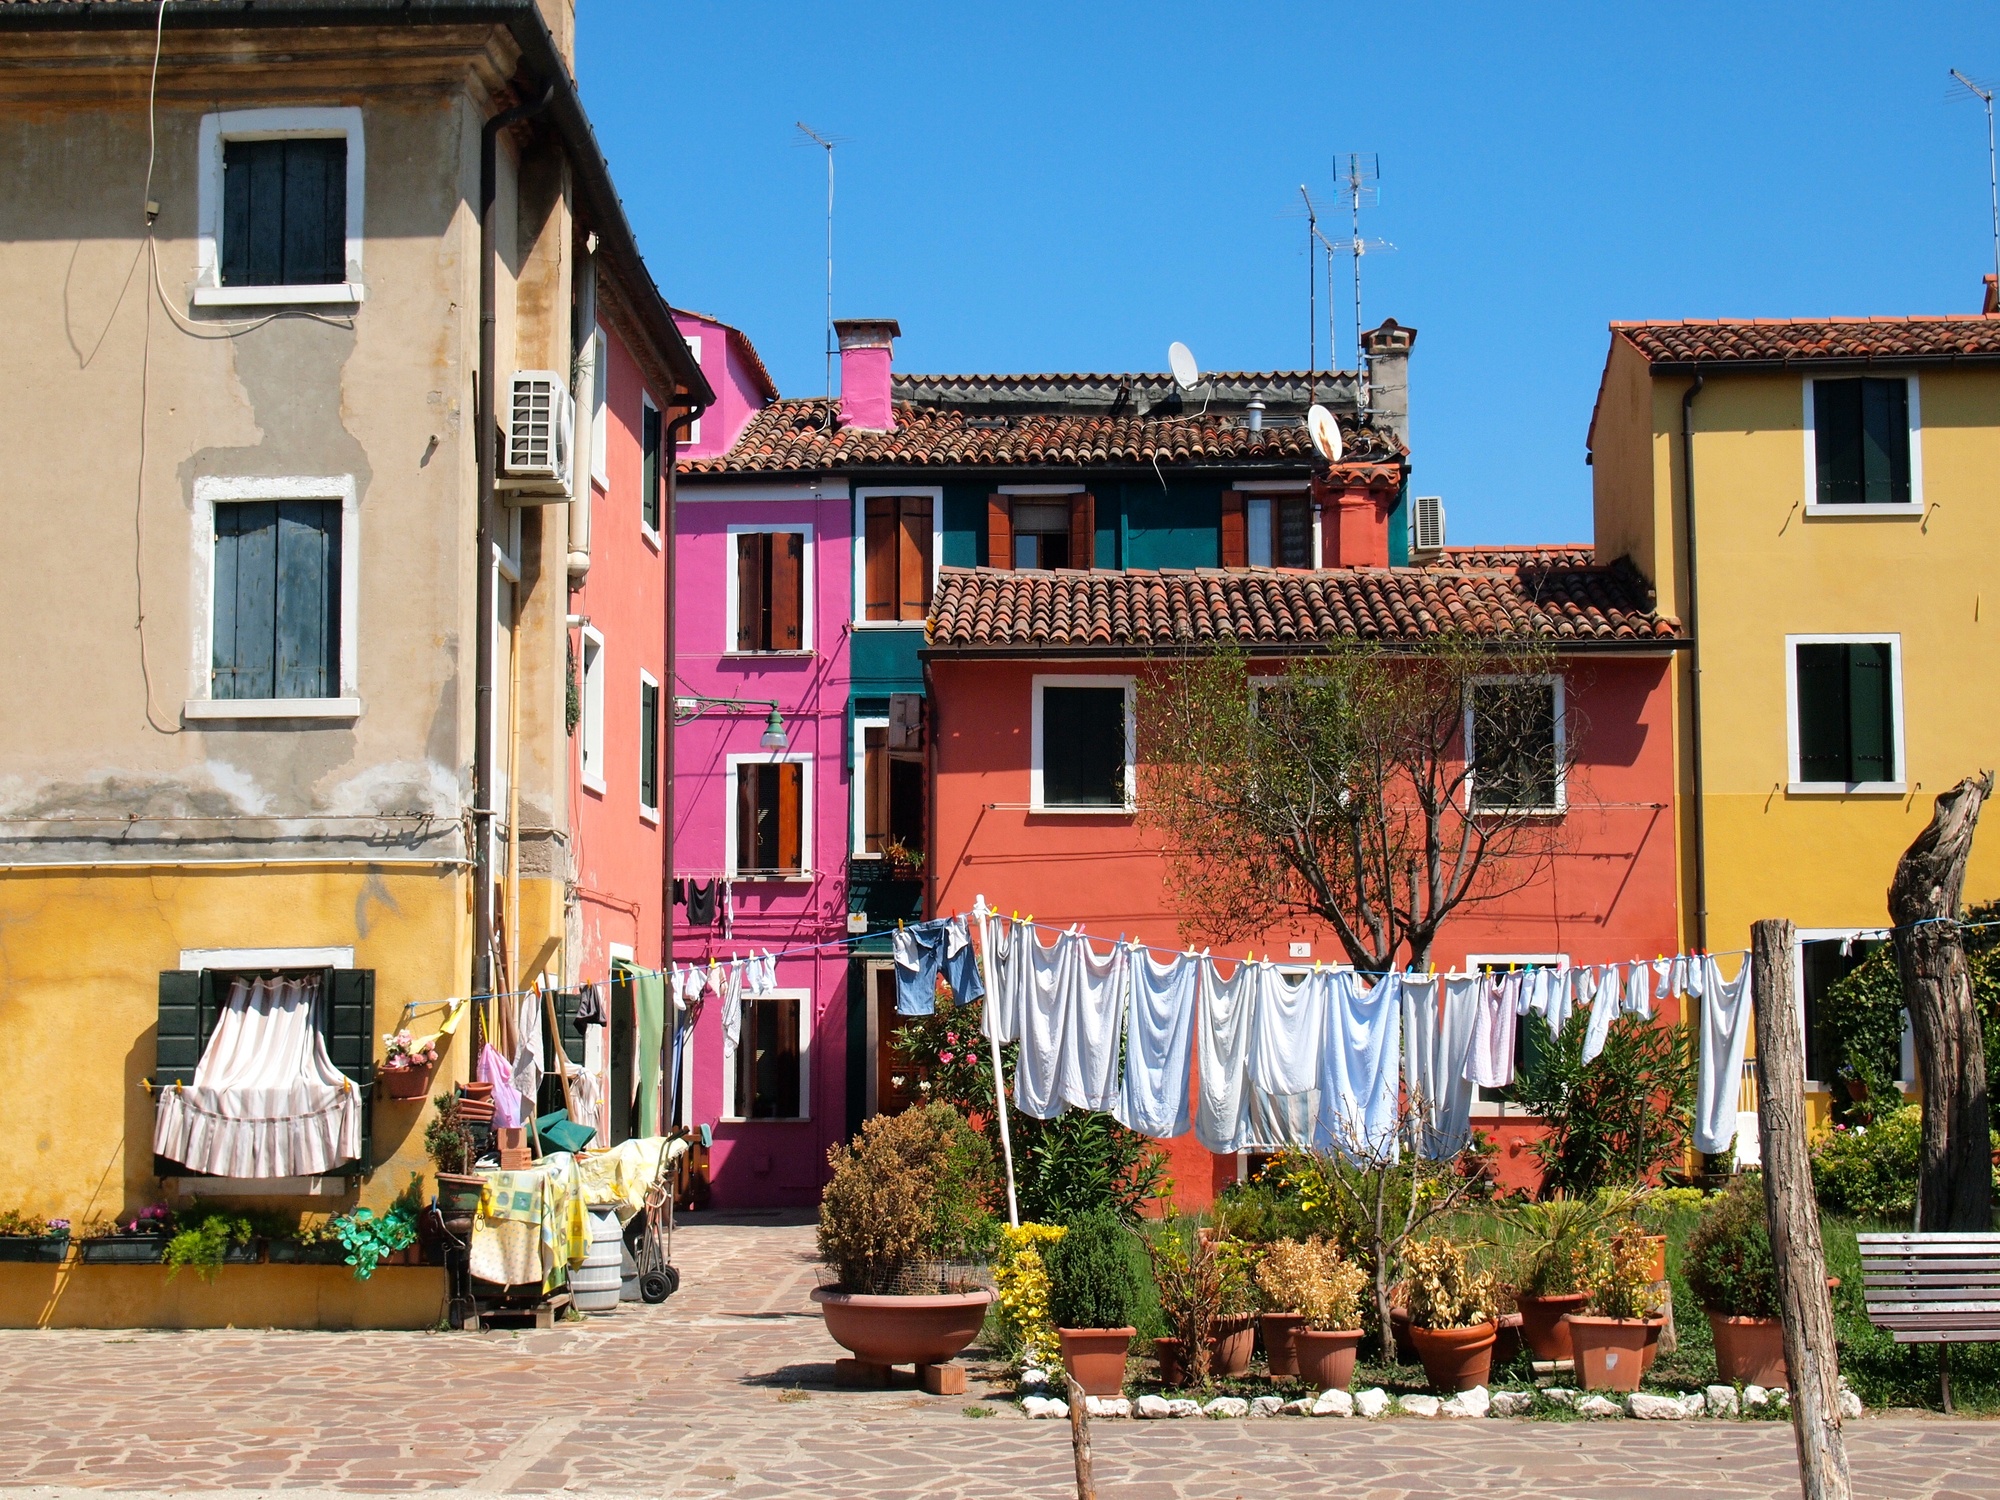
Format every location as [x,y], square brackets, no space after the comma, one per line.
[292,1253]
[42,1249]
[125,1250]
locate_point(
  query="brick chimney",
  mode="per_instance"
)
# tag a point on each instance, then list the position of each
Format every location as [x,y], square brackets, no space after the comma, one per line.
[865,345]
[1354,503]
[1388,350]
[1992,299]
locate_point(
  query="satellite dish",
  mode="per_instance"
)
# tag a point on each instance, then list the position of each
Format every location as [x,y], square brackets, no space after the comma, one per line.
[1324,432]
[1180,359]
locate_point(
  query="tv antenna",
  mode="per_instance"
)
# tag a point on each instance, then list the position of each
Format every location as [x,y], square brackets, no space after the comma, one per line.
[827,143]
[1985,97]
[1317,246]
[1358,190]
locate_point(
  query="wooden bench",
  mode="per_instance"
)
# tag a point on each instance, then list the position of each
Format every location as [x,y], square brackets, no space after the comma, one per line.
[1941,1289]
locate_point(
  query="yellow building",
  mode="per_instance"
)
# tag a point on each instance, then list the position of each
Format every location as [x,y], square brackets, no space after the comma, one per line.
[285,660]
[1834,560]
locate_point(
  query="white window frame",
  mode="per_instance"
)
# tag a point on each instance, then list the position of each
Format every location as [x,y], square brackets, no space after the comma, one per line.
[211,491]
[732,764]
[600,410]
[1266,489]
[1501,1109]
[1796,787]
[321,123]
[858,835]
[1041,682]
[646,404]
[730,1102]
[663,710]
[1915,509]
[590,719]
[1906,1058]
[807,606]
[1561,805]
[693,341]
[861,498]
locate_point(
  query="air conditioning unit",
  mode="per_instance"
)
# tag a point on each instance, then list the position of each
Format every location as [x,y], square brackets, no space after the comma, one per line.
[1427,525]
[541,434]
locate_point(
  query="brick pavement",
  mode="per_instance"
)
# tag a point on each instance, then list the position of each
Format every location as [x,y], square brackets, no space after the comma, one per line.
[726,1391]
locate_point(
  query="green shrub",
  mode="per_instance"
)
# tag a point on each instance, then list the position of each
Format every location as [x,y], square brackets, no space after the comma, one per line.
[202,1240]
[909,1189]
[1870,1171]
[1618,1120]
[1094,1280]
[1728,1261]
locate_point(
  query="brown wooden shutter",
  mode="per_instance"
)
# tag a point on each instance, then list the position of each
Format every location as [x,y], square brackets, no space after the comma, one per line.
[1235,540]
[999,532]
[788,589]
[879,573]
[913,559]
[1082,530]
[790,826]
[751,550]
[746,818]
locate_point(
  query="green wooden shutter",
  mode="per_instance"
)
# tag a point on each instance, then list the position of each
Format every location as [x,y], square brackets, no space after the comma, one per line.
[1837,441]
[315,233]
[187,1016]
[349,1019]
[246,578]
[1870,713]
[308,599]
[649,468]
[550,1096]
[1823,713]
[253,213]
[649,744]
[1885,442]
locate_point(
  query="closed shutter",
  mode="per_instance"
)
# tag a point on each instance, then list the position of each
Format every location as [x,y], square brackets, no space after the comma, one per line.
[308,599]
[1082,530]
[246,603]
[1837,441]
[999,532]
[1234,539]
[1295,532]
[752,564]
[790,779]
[550,1096]
[880,541]
[746,818]
[284,207]
[788,589]
[1870,712]
[1823,713]
[649,745]
[188,1008]
[649,469]
[349,1019]
[913,559]
[1885,442]
[315,212]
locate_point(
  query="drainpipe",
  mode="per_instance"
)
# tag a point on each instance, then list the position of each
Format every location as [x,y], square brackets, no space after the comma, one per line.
[1691,613]
[486,436]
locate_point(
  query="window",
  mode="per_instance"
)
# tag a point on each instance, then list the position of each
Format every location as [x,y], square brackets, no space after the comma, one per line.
[770,818]
[1083,747]
[1041,534]
[897,543]
[1846,728]
[694,423]
[1859,442]
[592,719]
[767,1075]
[600,392]
[1280,531]
[649,745]
[1825,957]
[1514,728]
[279,210]
[652,439]
[892,797]
[1041,527]
[768,591]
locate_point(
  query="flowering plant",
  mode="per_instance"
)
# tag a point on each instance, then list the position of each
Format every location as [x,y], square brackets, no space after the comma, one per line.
[1022,1279]
[407,1051]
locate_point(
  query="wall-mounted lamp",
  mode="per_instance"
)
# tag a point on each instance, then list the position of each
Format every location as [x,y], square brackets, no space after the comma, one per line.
[686,710]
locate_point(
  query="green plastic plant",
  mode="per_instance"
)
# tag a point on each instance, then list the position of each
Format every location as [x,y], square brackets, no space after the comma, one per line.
[371,1238]
[1093,1277]
[1727,1260]
[1444,1292]
[202,1240]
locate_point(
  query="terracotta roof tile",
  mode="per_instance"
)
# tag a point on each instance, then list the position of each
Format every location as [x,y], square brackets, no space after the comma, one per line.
[1558,600]
[1812,340]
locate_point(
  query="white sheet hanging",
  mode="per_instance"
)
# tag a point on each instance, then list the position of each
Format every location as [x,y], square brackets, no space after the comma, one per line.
[1093,1023]
[1360,1059]
[1222,1051]
[1606,1001]
[1725,1034]
[527,1066]
[1287,1022]
[1000,1015]
[1159,1037]
[1489,1063]
[266,1100]
[1438,1020]
[1043,998]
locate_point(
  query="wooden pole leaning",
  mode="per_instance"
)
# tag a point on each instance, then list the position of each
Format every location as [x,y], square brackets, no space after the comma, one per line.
[1079,1439]
[1810,1353]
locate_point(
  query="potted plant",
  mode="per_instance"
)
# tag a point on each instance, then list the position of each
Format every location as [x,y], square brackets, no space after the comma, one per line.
[308,1243]
[30,1237]
[902,1222]
[408,1064]
[1452,1314]
[448,1140]
[1732,1274]
[138,1241]
[207,1237]
[371,1238]
[1554,1244]
[1614,1341]
[1094,1294]
[1311,1276]
[1188,1275]
[1234,1339]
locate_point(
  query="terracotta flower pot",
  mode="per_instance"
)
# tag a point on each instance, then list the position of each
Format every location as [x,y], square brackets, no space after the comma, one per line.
[1542,1326]
[1281,1358]
[1610,1353]
[902,1330]
[1507,1343]
[1659,1244]
[1456,1359]
[1406,1348]
[408,1083]
[1170,1354]
[1235,1341]
[1326,1357]
[1095,1357]
[1749,1351]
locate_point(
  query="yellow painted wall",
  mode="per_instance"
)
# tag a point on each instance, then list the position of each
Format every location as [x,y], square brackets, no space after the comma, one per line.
[79,1296]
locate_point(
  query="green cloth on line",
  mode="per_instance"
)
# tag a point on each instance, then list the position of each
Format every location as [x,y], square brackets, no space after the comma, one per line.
[651,990]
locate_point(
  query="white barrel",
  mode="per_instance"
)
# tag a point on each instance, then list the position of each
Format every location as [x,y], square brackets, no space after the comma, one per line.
[593,1286]
[628,1289]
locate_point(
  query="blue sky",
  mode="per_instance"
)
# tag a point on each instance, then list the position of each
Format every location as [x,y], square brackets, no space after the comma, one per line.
[1070,187]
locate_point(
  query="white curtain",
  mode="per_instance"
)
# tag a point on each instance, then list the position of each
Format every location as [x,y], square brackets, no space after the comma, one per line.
[266,1100]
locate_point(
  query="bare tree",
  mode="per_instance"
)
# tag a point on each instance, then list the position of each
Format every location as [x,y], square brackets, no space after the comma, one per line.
[1338,785]
[1954,1174]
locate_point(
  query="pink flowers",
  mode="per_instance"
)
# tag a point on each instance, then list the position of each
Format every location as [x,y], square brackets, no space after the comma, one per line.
[406,1051]
[944,1057]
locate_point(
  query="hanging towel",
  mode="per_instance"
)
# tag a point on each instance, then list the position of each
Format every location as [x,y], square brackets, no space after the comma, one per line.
[1438,1020]
[1093,1024]
[1605,1004]
[496,1070]
[1636,990]
[1565,990]
[528,1050]
[1044,998]
[1287,1021]
[1489,1063]
[1359,1062]
[728,909]
[651,992]
[1159,1037]
[1725,1034]
[1000,1020]
[763,973]
[701,903]
[1222,1050]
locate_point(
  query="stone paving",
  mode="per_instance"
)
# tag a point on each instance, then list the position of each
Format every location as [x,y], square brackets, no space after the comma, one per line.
[726,1390]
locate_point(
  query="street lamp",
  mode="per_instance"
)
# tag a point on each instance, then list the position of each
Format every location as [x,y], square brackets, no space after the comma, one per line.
[686,710]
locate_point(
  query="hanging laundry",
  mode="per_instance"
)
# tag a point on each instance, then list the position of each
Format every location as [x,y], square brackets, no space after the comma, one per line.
[1000,1019]
[1561,995]
[1093,1024]
[1159,1033]
[1664,985]
[728,910]
[1490,1061]
[1605,1005]
[528,1047]
[1043,997]
[925,950]
[763,973]
[1725,1035]
[1287,1022]
[496,1070]
[1222,1053]
[651,993]
[728,982]
[701,903]
[1359,1078]
[590,1007]
[1636,990]
[1439,1015]
[680,892]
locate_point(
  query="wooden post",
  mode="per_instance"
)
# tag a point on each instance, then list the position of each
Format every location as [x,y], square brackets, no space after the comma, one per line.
[1794,1217]
[1079,1439]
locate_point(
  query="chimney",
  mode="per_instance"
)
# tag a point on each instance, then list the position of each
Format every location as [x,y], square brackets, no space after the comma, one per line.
[864,372]
[1388,350]
[1355,501]
[1992,295]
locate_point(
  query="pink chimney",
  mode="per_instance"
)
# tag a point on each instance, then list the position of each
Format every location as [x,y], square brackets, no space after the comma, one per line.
[864,372]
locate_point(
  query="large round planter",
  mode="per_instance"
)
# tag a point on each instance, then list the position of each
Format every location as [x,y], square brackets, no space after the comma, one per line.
[1406,1348]
[1749,1351]
[1281,1358]
[1170,1354]
[1456,1359]
[1095,1358]
[1235,1342]
[1542,1326]
[1610,1353]
[1326,1357]
[902,1330]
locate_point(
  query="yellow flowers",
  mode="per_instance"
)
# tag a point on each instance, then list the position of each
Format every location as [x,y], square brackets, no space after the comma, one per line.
[1023,1284]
